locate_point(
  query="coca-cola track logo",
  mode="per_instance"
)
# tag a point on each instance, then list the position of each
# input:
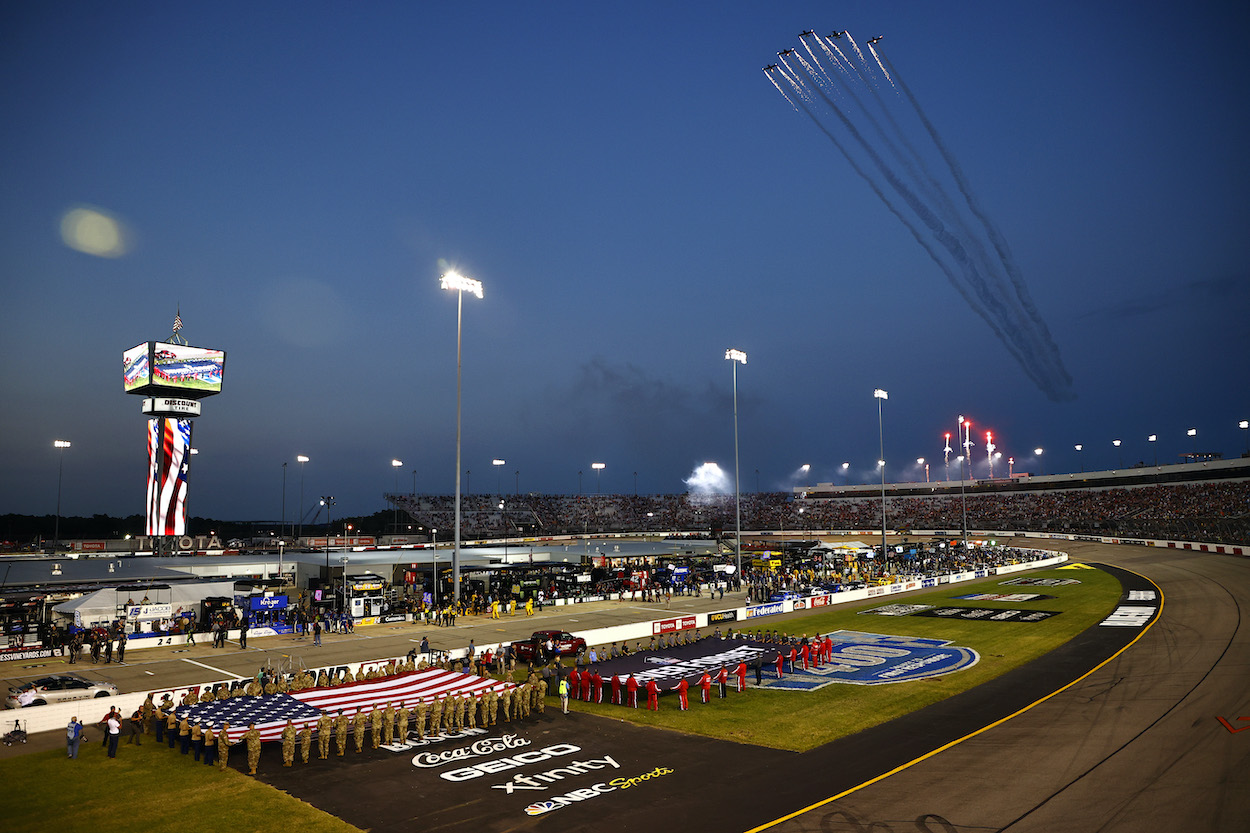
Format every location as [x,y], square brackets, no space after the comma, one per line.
[486,746]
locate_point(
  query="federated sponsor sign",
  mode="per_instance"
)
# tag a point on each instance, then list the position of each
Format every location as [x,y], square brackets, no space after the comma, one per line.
[765,609]
[1035,581]
[1014,598]
[860,658]
[986,614]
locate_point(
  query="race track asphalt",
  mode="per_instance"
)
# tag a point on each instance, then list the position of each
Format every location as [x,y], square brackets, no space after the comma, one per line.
[1149,741]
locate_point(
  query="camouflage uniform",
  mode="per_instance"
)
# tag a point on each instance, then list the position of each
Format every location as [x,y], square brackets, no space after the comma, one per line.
[253,748]
[436,715]
[323,735]
[505,700]
[470,712]
[305,743]
[340,734]
[207,696]
[388,724]
[421,714]
[223,693]
[375,727]
[542,696]
[402,730]
[358,730]
[223,747]
[288,744]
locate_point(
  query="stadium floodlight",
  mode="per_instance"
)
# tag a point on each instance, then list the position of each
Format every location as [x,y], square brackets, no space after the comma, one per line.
[458,282]
[1244,425]
[455,281]
[1152,439]
[498,464]
[737,357]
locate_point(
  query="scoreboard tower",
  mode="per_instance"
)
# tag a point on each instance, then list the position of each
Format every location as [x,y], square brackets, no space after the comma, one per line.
[172,377]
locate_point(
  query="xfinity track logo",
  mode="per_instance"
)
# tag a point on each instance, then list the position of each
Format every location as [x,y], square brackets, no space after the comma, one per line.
[539,781]
[487,746]
[555,803]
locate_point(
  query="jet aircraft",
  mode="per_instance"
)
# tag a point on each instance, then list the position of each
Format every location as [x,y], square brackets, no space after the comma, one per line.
[836,35]
[805,34]
[786,52]
[770,67]
[877,38]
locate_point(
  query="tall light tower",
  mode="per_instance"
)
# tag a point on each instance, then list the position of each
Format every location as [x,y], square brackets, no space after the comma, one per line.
[879,394]
[961,431]
[736,357]
[989,451]
[301,459]
[60,446]
[947,456]
[396,465]
[1079,448]
[498,464]
[460,284]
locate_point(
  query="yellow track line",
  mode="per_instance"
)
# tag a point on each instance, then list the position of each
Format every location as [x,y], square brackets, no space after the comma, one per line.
[970,735]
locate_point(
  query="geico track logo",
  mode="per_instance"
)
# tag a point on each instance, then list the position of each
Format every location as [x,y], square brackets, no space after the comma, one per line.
[540,780]
[486,746]
[503,764]
[556,802]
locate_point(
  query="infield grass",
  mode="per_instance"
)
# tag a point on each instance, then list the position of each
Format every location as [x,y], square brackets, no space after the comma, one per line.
[801,720]
[146,787]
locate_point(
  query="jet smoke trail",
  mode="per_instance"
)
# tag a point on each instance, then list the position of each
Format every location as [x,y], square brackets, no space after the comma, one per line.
[958,239]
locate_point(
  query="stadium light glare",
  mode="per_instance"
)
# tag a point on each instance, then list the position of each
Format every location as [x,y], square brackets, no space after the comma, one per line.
[454,280]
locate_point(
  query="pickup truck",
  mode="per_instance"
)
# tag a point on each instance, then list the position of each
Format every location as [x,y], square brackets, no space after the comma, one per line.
[531,649]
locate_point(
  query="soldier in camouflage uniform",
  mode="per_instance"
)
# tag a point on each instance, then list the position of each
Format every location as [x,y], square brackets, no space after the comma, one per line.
[223,693]
[145,712]
[436,715]
[505,700]
[421,714]
[305,741]
[458,719]
[223,747]
[542,696]
[288,744]
[340,733]
[375,727]
[388,724]
[207,696]
[358,729]
[402,731]
[470,712]
[253,748]
[323,680]
[323,735]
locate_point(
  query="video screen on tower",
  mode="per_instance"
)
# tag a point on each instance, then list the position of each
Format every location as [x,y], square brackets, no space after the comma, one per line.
[173,369]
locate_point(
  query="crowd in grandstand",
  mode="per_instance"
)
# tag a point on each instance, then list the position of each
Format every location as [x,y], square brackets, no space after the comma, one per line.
[1217,512]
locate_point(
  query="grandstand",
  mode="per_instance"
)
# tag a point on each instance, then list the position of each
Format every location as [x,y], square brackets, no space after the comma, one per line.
[1207,502]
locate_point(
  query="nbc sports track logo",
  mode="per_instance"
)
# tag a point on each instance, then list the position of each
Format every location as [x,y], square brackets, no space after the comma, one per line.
[586,793]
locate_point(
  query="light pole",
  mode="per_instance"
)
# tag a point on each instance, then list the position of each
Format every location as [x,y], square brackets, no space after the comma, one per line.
[946,456]
[343,560]
[461,284]
[960,429]
[1011,463]
[327,501]
[396,465]
[1039,451]
[1193,433]
[1079,448]
[736,357]
[60,446]
[498,464]
[1116,443]
[434,567]
[1244,425]
[989,451]
[920,462]
[282,529]
[598,467]
[301,459]
[1152,439]
[880,395]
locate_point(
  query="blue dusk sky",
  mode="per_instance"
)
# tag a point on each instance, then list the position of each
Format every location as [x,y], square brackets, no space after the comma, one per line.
[636,196]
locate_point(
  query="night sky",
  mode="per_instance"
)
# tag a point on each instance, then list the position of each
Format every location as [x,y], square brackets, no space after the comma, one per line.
[636,197]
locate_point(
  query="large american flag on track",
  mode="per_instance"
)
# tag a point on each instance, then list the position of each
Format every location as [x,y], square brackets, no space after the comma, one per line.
[270,712]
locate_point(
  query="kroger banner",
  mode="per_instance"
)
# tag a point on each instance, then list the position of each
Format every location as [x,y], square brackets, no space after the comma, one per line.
[267,603]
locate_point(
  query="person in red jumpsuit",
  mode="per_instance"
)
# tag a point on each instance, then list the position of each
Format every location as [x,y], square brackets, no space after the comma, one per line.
[741,673]
[575,682]
[722,681]
[682,688]
[794,655]
[653,696]
[705,683]
[780,658]
[631,690]
[586,685]
[616,690]
[828,649]
[806,654]
[596,684]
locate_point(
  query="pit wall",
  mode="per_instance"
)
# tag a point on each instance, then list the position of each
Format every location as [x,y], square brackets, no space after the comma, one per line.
[90,712]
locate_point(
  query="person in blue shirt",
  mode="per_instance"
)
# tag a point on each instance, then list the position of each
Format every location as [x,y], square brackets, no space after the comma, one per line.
[73,737]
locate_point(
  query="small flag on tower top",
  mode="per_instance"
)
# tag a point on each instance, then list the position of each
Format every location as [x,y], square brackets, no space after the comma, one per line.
[177,321]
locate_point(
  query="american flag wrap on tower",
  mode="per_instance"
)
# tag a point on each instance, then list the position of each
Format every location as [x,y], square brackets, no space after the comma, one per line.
[270,712]
[169,450]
